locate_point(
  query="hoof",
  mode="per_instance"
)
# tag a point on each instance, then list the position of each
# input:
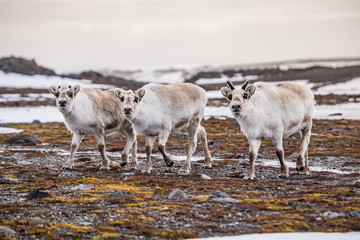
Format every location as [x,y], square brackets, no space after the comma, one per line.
[247,177]
[66,167]
[206,167]
[170,164]
[102,168]
[182,171]
[123,164]
[283,176]
[133,169]
[299,168]
[146,171]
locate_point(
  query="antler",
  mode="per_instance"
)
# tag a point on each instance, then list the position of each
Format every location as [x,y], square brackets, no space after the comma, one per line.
[230,85]
[245,84]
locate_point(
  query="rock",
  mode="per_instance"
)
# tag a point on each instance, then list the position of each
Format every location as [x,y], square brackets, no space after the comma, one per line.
[226,200]
[24,138]
[177,194]
[7,231]
[82,187]
[23,66]
[339,130]
[23,162]
[210,142]
[219,194]
[335,114]
[36,194]
[330,215]
[214,146]
[36,121]
[205,177]
[5,158]
[8,179]
[356,182]
[70,174]
[120,195]
[355,213]
[85,224]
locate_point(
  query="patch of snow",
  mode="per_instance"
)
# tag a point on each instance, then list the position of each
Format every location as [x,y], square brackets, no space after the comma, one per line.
[350,87]
[330,64]
[224,78]
[7,130]
[175,76]
[339,111]
[29,114]
[292,236]
[15,80]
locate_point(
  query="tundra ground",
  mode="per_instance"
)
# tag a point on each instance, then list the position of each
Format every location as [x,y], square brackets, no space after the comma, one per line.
[92,204]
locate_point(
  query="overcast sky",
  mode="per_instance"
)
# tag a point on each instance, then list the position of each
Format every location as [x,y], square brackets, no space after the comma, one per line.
[72,35]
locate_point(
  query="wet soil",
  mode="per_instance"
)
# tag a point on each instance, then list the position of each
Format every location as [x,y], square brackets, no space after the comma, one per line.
[120,203]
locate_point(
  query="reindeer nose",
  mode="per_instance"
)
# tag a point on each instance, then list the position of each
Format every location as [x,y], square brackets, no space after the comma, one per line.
[62,103]
[127,110]
[235,107]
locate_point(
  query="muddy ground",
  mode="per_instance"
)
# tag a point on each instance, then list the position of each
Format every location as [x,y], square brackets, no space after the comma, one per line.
[91,204]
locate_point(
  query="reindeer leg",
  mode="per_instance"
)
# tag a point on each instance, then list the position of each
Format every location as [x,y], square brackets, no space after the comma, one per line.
[302,163]
[192,134]
[149,142]
[254,145]
[100,140]
[76,140]
[278,142]
[202,136]
[163,136]
[130,143]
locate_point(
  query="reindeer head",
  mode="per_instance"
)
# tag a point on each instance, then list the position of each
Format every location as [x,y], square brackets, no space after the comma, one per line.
[238,98]
[129,101]
[65,96]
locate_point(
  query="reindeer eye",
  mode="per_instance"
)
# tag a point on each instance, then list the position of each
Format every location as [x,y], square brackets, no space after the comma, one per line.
[70,94]
[57,95]
[230,97]
[245,96]
[136,99]
[122,99]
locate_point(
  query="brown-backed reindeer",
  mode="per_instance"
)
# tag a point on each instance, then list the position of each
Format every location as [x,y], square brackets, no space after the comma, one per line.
[157,110]
[273,111]
[91,111]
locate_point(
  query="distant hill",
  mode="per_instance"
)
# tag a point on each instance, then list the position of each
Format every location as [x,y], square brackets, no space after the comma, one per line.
[318,71]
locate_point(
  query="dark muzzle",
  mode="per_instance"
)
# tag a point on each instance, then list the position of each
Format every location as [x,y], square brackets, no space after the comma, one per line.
[127,110]
[62,103]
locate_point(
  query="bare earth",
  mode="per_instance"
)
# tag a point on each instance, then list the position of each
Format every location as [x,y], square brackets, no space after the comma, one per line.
[92,204]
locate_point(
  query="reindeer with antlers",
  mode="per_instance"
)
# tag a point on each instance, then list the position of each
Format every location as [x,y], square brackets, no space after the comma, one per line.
[273,111]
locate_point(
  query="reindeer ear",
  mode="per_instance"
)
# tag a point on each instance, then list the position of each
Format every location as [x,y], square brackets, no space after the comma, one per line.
[140,93]
[76,89]
[249,91]
[118,92]
[54,90]
[226,92]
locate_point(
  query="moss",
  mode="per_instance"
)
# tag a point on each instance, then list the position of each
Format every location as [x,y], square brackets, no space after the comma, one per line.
[71,227]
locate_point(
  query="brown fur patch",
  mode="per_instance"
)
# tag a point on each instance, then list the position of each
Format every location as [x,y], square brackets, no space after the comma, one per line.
[106,103]
[178,93]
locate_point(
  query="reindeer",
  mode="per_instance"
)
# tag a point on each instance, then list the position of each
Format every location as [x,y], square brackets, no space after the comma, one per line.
[157,110]
[91,111]
[273,111]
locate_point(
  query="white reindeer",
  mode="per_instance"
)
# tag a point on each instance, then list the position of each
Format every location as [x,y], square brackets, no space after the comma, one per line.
[91,111]
[157,110]
[273,111]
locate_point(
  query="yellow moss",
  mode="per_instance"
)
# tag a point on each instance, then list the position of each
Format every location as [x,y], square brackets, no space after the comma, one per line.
[251,200]
[111,235]
[286,226]
[253,192]
[11,175]
[71,227]
[174,234]
[73,200]
[123,187]
[344,191]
